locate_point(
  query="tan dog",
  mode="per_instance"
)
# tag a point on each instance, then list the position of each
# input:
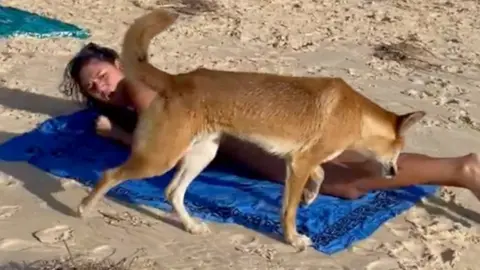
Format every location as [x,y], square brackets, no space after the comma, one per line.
[308,121]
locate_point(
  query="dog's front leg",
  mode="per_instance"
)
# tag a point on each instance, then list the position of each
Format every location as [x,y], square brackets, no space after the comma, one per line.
[109,179]
[192,164]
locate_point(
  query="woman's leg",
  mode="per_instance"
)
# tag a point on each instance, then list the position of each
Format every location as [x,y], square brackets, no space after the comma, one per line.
[347,179]
[414,169]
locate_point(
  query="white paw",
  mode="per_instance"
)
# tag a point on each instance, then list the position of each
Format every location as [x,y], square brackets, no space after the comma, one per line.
[199,228]
[82,211]
[301,242]
[309,196]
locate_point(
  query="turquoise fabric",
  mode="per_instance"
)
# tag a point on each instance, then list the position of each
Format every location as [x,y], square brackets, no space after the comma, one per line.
[17,22]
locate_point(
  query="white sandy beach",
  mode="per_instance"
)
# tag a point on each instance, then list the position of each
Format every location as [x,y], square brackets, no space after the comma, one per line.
[433,64]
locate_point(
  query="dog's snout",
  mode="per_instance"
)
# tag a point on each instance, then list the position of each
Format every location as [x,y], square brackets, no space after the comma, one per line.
[389,170]
[392,171]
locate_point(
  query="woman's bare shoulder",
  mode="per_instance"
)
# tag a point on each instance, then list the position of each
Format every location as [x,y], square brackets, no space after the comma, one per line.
[137,93]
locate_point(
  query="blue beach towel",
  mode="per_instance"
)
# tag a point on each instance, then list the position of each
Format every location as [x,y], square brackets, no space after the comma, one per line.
[66,146]
[17,22]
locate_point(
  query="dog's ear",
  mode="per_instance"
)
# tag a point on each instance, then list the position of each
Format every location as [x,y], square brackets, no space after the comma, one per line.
[405,121]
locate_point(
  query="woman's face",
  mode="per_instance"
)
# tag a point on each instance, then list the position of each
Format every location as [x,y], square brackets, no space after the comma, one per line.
[100,79]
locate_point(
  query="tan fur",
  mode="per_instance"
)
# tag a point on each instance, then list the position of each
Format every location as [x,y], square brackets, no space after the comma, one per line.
[308,121]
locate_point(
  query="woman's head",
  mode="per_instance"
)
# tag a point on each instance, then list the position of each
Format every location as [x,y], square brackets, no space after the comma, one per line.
[94,73]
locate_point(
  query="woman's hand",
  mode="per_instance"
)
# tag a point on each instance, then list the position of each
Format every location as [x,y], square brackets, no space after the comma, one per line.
[103,126]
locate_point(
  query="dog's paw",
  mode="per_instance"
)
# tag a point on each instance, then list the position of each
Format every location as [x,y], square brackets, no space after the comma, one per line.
[81,211]
[199,228]
[309,196]
[300,242]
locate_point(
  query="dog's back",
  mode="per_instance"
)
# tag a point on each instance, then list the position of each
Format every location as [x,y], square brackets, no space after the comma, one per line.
[292,109]
[309,121]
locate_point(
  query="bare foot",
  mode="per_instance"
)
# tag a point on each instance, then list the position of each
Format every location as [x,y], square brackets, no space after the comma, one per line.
[470,173]
[103,126]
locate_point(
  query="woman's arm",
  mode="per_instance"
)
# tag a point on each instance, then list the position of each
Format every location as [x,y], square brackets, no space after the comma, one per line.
[118,122]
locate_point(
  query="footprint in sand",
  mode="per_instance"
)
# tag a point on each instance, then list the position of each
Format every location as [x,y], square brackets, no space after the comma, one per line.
[240,239]
[244,243]
[7,211]
[7,180]
[11,244]
[54,234]
[69,183]
[416,248]
[402,230]
[102,251]
[367,246]
[383,264]
[251,245]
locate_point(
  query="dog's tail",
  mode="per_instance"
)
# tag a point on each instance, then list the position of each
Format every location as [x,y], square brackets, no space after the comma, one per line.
[134,56]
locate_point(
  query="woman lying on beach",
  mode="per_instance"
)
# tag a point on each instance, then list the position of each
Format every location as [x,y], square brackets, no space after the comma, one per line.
[96,75]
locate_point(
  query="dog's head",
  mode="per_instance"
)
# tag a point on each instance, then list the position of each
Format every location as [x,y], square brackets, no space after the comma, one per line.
[386,141]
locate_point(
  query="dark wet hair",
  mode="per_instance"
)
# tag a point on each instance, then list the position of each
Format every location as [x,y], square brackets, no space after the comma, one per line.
[71,76]
[70,85]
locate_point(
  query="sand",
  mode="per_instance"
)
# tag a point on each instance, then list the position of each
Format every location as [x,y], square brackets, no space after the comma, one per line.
[403,54]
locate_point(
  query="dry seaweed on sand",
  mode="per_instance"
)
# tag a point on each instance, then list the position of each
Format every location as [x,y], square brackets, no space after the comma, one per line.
[56,264]
[189,7]
[71,263]
[409,52]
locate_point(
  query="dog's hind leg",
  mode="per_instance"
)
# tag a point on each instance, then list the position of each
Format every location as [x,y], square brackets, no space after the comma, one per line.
[135,168]
[300,167]
[157,148]
[201,153]
[312,188]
